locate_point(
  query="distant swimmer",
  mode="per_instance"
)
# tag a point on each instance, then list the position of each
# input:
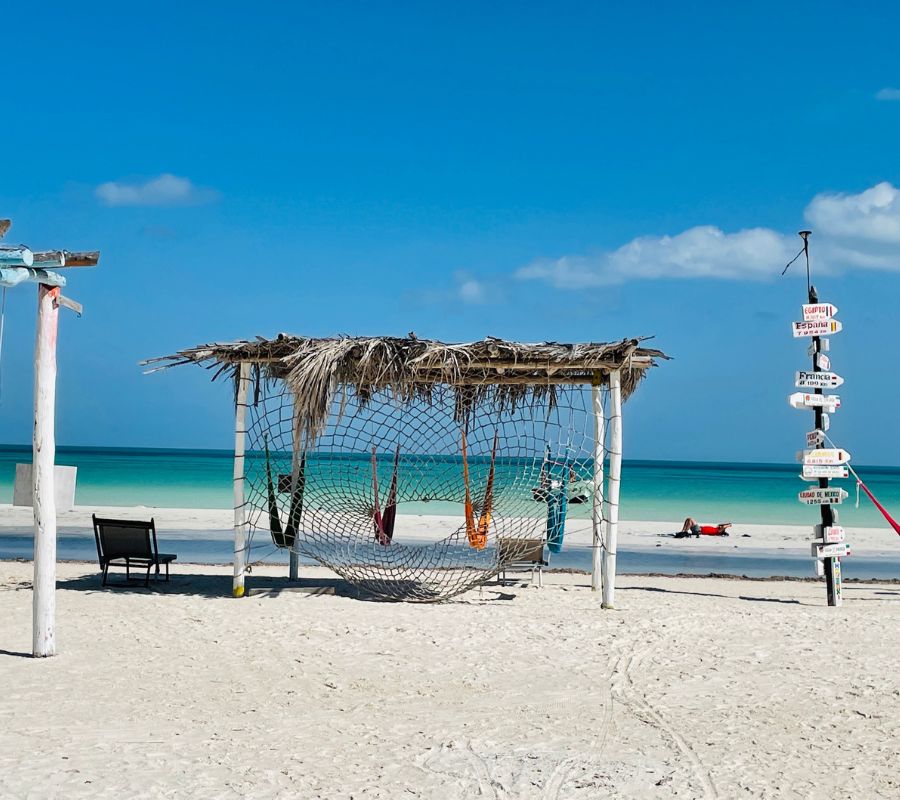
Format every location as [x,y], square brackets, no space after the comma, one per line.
[692,528]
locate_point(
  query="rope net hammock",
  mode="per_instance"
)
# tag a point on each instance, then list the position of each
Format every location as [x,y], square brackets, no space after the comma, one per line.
[353,496]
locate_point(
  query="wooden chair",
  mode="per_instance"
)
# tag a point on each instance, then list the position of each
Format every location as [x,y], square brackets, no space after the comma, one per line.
[129,543]
[522,555]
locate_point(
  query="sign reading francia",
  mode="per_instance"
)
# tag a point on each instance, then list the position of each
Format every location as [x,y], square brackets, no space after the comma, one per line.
[822,497]
[824,327]
[830,402]
[818,311]
[812,472]
[817,380]
[831,550]
[823,456]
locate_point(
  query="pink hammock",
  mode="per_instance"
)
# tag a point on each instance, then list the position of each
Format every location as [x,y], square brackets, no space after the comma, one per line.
[384,523]
[891,521]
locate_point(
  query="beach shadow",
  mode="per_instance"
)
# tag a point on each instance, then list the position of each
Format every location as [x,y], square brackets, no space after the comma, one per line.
[15,654]
[714,594]
[214,587]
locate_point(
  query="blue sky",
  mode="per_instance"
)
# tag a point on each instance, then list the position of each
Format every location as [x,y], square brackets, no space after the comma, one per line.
[462,171]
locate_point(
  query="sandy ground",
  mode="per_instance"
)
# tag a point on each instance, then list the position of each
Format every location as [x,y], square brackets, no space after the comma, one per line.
[175,523]
[691,688]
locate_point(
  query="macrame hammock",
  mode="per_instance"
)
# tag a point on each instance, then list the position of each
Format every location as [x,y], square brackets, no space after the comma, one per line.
[329,499]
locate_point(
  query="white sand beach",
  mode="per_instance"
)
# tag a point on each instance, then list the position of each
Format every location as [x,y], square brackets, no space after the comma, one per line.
[179,523]
[693,688]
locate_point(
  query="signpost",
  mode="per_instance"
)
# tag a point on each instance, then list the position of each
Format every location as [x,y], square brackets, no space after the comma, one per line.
[817,311]
[829,535]
[817,380]
[822,497]
[828,402]
[823,327]
[819,462]
[815,438]
[813,472]
[822,456]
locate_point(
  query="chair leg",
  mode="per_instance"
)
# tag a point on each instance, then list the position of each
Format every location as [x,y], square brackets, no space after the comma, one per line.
[105,571]
[147,579]
[127,570]
[167,572]
[540,578]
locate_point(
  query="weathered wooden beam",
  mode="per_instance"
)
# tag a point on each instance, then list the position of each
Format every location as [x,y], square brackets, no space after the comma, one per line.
[16,255]
[5,225]
[46,259]
[87,258]
[13,276]
[72,305]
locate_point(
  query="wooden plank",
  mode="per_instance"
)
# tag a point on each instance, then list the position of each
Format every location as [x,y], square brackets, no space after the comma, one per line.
[47,259]
[87,258]
[15,256]
[13,276]
[240,520]
[5,225]
[612,494]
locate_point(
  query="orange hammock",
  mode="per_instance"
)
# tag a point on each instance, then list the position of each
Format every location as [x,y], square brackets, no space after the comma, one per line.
[477,534]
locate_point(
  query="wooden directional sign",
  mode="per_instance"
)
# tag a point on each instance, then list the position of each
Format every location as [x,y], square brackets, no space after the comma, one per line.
[822,497]
[812,472]
[823,361]
[818,311]
[836,550]
[830,402]
[815,438]
[829,535]
[823,457]
[817,380]
[824,327]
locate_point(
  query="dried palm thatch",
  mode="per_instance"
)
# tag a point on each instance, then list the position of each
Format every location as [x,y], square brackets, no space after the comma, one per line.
[488,372]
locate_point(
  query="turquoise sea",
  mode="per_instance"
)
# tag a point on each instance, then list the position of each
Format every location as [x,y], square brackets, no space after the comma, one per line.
[651,490]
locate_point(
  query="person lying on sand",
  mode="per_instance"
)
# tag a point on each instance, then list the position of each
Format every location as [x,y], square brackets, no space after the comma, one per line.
[692,528]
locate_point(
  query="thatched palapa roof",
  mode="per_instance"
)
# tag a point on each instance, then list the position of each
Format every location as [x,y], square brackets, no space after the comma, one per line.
[494,371]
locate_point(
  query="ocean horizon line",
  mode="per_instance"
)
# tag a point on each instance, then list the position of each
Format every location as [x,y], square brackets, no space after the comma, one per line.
[211,452]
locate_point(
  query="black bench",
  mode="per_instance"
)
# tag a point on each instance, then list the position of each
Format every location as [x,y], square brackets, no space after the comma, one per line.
[129,543]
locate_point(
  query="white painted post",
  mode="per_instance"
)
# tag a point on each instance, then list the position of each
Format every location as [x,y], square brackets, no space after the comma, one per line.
[597,507]
[615,478]
[43,641]
[240,522]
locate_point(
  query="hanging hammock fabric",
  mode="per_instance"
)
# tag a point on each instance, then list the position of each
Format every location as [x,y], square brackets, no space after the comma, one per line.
[384,523]
[891,521]
[477,533]
[484,520]
[557,507]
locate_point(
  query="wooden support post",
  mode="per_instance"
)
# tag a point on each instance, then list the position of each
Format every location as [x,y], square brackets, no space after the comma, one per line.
[43,457]
[597,507]
[240,521]
[615,478]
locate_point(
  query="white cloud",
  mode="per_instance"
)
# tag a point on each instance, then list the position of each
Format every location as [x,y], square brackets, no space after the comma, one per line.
[164,190]
[850,230]
[888,93]
[701,252]
[470,290]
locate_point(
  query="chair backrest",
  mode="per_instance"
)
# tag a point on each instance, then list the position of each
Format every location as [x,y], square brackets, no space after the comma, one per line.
[120,538]
[529,550]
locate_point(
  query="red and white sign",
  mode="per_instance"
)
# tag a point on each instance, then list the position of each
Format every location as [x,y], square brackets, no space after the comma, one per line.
[830,402]
[818,311]
[837,550]
[823,361]
[815,438]
[822,497]
[824,456]
[830,535]
[824,327]
[812,472]
[817,380]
